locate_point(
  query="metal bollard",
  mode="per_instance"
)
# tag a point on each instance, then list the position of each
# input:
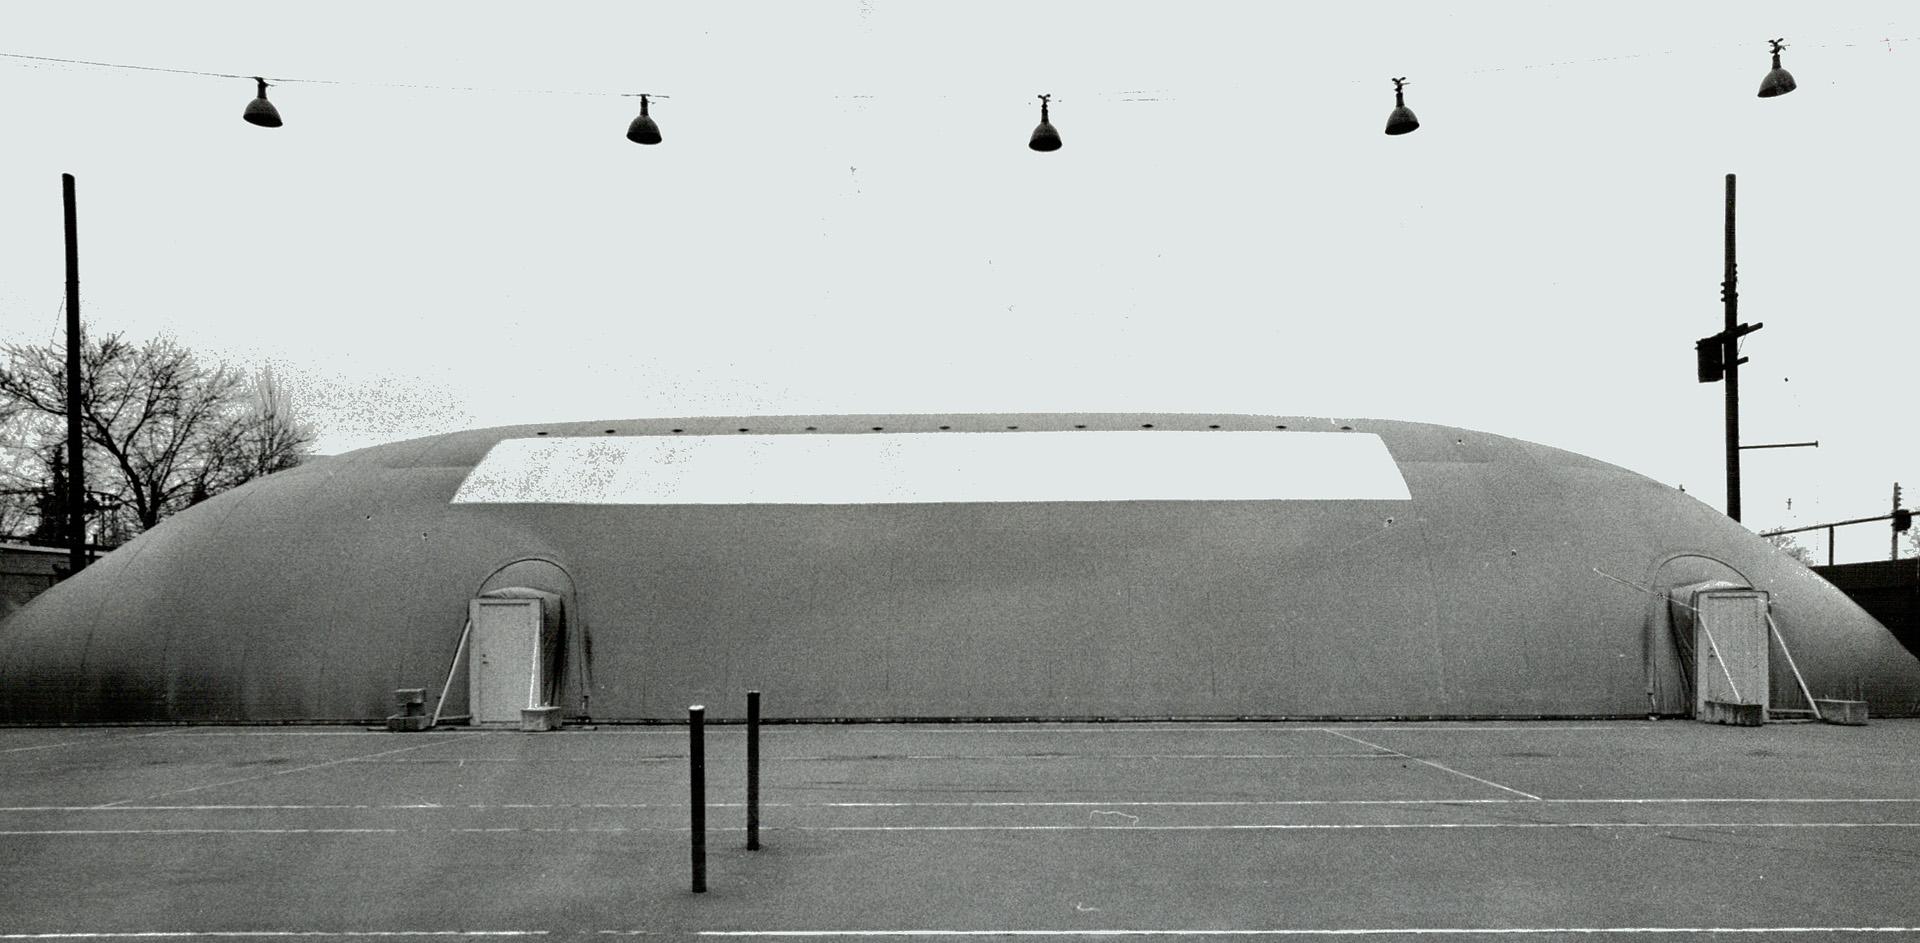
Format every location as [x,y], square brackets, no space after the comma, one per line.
[697,792]
[753,770]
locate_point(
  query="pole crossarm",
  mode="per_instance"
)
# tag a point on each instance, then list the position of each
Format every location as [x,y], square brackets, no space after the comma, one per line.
[1734,332]
[1785,445]
[1797,530]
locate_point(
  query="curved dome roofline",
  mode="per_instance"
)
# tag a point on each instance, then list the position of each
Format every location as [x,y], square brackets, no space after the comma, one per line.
[1492,586]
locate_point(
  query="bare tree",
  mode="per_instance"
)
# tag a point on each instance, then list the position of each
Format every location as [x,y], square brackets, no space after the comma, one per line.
[163,430]
[259,437]
[25,472]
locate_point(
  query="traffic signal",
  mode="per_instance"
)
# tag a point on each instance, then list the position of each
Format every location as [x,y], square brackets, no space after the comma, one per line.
[1711,354]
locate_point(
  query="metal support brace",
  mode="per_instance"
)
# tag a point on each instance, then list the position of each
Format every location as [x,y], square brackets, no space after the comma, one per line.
[457,652]
[1775,629]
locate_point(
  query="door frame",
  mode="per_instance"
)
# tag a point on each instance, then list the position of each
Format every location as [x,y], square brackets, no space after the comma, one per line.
[1737,661]
[533,645]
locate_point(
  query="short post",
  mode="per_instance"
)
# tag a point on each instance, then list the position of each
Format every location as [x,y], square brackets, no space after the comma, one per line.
[753,770]
[697,792]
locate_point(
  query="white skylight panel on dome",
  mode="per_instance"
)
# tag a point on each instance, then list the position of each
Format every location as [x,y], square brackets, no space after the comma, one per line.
[937,467]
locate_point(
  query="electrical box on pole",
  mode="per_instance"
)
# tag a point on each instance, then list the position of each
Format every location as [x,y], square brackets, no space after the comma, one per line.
[1717,355]
[1710,353]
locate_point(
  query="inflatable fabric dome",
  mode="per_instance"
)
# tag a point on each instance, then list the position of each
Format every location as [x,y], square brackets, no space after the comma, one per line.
[960,567]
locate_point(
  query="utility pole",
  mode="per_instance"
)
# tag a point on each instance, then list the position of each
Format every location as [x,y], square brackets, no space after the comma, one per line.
[1719,357]
[1730,292]
[76,467]
[1893,545]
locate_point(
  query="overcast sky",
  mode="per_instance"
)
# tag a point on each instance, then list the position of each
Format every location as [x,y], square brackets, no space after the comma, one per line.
[844,216]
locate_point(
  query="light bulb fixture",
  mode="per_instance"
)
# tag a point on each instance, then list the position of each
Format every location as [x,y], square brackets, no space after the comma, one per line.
[1401,120]
[643,130]
[1045,138]
[260,111]
[1779,81]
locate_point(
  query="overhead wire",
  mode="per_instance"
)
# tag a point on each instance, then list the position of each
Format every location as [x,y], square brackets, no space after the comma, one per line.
[121,65]
[645,130]
[1119,95]
[418,86]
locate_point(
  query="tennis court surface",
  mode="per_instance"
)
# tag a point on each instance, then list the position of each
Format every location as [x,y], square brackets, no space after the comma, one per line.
[1417,832]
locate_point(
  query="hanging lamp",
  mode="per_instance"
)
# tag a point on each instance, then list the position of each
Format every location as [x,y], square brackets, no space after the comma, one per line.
[1779,81]
[1045,138]
[1401,120]
[260,111]
[643,130]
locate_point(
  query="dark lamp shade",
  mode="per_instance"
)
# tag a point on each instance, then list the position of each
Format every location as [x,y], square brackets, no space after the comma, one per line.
[1045,138]
[1778,82]
[261,112]
[643,131]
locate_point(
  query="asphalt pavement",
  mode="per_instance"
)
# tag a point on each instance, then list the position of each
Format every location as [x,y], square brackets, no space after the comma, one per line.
[1412,831]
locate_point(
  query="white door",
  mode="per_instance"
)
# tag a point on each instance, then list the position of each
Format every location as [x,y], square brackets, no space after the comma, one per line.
[1730,649]
[503,667]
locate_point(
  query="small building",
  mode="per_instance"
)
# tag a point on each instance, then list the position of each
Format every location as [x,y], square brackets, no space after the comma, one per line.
[1889,590]
[26,571]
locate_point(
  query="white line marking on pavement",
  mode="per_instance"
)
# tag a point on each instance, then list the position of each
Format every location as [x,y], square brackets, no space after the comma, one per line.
[1280,827]
[1041,727]
[1086,756]
[1368,931]
[226,808]
[1278,726]
[89,741]
[1318,802]
[916,728]
[206,831]
[894,757]
[1125,827]
[282,772]
[1394,931]
[191,934]
[1475,728]
[890,757]
[571,828]
[1655,801]
[374,760]
[316,831]
[1434,765]
[352,732]
[1168,803]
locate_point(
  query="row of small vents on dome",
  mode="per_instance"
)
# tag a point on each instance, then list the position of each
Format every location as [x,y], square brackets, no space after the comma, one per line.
[1144,425]
[644,130]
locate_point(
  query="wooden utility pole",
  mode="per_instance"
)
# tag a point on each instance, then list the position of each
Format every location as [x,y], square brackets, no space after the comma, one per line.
[76,464]
[1719,359]
[1731,294]
[1893,546]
